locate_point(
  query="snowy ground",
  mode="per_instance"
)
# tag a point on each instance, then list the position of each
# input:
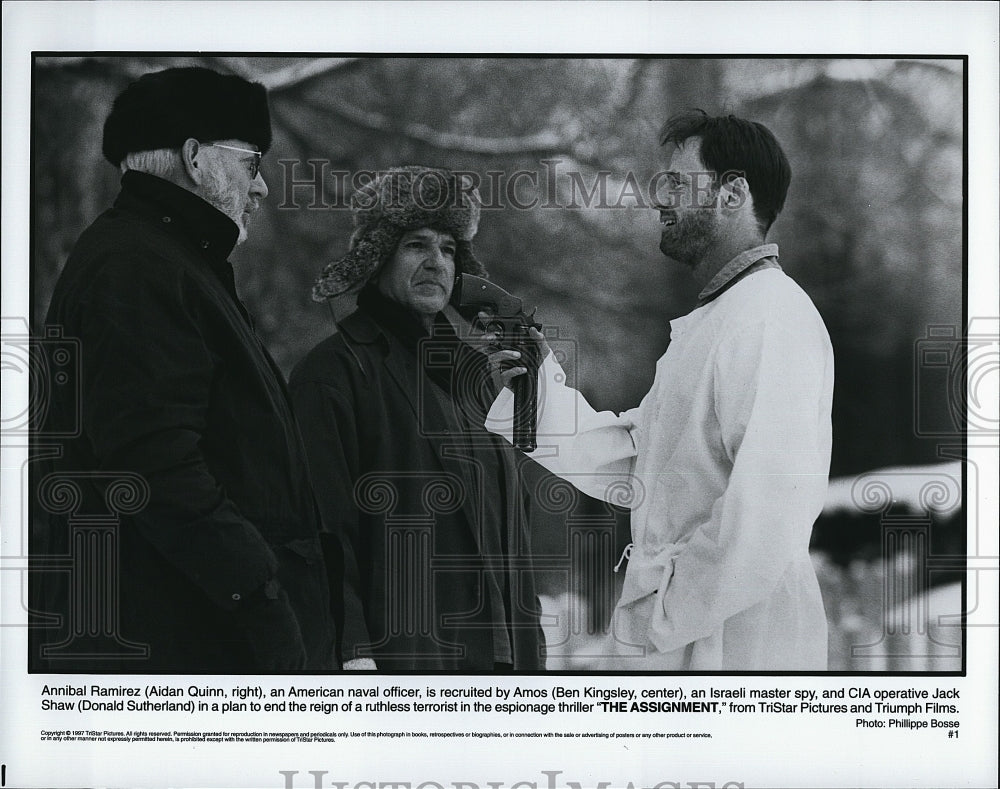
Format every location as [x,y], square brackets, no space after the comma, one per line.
[874,624]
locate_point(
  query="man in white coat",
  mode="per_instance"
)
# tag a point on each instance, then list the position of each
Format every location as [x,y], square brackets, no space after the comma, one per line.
[728,454]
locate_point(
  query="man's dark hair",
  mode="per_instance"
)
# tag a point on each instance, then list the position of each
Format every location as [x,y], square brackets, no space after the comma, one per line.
[730,144]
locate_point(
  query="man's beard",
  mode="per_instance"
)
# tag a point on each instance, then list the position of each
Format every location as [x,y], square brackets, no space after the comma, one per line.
[689,238]
[218,190]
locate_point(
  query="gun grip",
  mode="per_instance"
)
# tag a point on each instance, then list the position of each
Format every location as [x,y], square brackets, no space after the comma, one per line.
[526,399]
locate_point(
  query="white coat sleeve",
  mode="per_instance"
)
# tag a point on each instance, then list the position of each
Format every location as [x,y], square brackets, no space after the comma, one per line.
[773,396]
[592,450]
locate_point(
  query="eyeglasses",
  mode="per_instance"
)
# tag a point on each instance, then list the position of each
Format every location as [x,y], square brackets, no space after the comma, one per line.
[253,165]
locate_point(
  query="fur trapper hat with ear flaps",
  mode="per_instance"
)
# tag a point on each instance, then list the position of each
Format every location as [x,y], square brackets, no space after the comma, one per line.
[398,200]
[164,108]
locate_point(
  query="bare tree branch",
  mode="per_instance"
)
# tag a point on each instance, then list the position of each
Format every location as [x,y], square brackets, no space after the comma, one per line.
[634,84]
[277,80]
[283,78]
[542,141]
[131,67]
[546,142]
[239,67]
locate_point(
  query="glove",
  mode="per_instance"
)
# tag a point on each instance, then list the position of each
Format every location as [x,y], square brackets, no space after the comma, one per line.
[360,664]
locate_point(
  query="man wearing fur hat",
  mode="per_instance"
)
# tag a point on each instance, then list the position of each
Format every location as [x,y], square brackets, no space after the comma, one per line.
[426,503]
[219,566]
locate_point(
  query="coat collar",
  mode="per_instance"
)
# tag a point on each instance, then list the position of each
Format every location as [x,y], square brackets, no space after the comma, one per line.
[378,317]
[179,212]
[369,327]
[361,327]
[763,256]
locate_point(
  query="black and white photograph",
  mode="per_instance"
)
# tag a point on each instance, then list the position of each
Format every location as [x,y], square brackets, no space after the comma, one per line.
[675,512]
[477,394]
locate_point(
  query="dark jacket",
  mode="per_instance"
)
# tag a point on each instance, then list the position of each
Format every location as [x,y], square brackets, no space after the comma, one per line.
[428,505]
[220,569]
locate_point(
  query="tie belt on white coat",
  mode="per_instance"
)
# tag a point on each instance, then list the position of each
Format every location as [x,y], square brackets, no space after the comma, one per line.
[645,574]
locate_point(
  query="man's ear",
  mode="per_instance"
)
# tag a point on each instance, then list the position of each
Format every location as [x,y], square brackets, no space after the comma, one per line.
[735,193]
[190,155]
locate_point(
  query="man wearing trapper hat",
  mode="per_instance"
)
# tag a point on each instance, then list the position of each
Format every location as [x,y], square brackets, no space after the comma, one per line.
[221,570]
[426,503]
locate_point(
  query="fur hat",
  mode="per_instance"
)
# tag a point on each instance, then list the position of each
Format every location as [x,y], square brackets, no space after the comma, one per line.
[398,200]
[164,108]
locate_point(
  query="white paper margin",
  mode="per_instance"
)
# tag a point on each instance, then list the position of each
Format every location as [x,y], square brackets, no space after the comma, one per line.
[793,751]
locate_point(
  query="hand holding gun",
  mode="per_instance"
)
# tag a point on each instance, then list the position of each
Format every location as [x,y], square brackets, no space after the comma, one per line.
[514,330]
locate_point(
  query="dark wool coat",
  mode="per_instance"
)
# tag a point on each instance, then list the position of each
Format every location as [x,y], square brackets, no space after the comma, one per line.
[221,570]
[431,542]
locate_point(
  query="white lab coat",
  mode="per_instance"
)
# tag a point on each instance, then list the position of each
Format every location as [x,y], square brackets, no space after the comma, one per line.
[724,465]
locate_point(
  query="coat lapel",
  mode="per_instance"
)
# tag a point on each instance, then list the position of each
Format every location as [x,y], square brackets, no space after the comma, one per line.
[434,424]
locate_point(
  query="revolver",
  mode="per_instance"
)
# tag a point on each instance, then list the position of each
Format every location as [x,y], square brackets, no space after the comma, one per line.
[508,321]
